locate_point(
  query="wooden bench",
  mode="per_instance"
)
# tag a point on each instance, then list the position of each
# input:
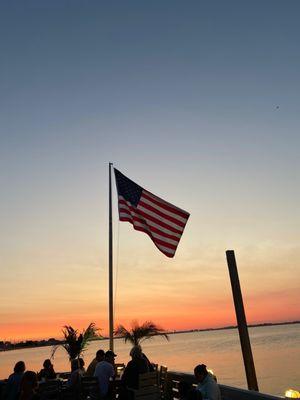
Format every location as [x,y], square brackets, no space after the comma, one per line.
[49,389]
[89,386]
[148,387]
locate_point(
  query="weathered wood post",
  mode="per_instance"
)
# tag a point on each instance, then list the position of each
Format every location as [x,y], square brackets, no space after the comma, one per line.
[241,321]
[168,388]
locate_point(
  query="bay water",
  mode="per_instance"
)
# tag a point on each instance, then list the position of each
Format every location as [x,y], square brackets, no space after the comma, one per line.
[276,352]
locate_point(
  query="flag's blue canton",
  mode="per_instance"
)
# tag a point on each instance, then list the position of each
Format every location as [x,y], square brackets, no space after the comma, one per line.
[127,188]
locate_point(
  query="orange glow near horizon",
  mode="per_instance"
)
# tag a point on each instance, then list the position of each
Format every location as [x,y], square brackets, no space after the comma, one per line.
[170,318]
[59,286]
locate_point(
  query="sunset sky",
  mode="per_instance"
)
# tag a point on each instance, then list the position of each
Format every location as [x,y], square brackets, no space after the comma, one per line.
[199,103]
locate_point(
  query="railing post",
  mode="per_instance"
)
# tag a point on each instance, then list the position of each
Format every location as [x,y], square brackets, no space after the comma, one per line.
[168,388]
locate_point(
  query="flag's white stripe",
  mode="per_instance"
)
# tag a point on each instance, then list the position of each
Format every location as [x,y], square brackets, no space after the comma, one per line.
[165,202]
[154,234]
[159,217]
[150,223]
[165,249]
[163,210]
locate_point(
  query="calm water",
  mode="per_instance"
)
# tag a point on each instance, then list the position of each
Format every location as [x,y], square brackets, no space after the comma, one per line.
[276,351]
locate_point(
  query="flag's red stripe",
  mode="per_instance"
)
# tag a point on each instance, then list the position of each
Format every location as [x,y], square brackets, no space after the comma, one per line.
[170,253]
[150,230]
[150,218]
[144,216]
[161,233]
[158,212]
[168,245]
[161,241]
[155,241]
[163,204]
[159,222]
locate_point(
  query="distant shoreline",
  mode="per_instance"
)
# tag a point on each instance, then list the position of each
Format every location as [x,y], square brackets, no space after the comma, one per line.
[235,327]
[43,343]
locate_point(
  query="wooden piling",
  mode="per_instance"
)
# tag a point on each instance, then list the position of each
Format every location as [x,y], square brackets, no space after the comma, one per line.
[241,321]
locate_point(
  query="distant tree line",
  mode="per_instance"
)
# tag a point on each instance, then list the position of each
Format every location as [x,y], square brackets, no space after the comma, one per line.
[6,345]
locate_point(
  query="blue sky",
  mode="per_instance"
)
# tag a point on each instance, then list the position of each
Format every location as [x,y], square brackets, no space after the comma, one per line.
[196,101]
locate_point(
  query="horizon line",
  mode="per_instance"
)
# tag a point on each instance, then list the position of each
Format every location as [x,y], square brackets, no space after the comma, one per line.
[170,332]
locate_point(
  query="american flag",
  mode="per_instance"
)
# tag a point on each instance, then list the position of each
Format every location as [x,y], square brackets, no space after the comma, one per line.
[162,221]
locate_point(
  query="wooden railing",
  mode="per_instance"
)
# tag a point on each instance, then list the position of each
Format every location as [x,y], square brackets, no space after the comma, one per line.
[168,382]
[228,392]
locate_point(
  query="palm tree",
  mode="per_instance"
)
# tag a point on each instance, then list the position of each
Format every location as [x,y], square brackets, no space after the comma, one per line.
[74,343]
[139,333]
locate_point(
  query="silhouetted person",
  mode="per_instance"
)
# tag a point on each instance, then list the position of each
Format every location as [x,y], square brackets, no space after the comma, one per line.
[150,365]
[105,373]
[47,372]
[74,380]
[81,366]
[91,368]
[207,384]
[138,365]
[29,386]
[12,388]
[187,392]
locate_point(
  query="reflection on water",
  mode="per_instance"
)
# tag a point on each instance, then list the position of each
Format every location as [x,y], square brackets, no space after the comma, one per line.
[276,354]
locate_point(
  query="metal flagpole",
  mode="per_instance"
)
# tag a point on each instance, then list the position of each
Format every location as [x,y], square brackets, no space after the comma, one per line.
[110,274]
[241,320]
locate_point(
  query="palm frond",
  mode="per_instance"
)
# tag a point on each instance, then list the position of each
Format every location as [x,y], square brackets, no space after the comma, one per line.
[75,343]
[121,331]
[53,350]
[139,333]
[88,334]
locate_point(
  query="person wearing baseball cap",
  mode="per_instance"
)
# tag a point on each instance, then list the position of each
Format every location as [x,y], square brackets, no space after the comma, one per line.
[110,355]
[105,373]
